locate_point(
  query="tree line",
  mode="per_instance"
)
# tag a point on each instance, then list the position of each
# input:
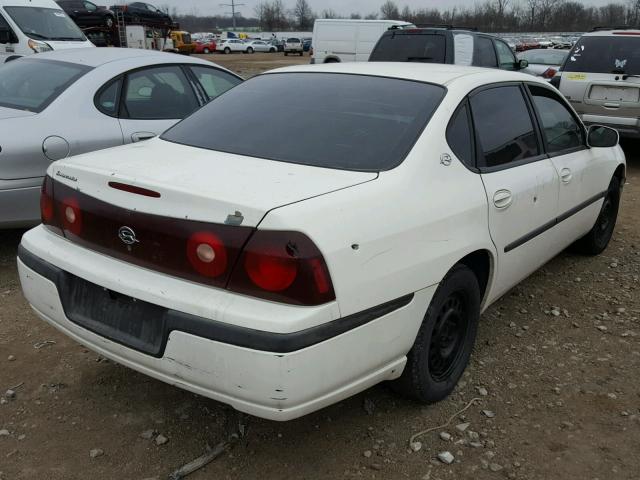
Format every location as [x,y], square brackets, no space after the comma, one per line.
[490,16]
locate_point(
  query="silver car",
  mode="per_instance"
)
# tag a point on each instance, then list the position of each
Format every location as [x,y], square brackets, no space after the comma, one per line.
[259,46]
[543,62]
[601,79]
[63,103]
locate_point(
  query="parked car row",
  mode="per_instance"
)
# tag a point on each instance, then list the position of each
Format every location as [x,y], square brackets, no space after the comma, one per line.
[87,14]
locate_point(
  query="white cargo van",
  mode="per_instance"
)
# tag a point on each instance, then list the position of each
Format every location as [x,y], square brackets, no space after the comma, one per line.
[348,40]
[34,26]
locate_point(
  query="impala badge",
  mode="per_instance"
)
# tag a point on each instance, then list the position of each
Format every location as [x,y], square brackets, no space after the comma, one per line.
[127,235]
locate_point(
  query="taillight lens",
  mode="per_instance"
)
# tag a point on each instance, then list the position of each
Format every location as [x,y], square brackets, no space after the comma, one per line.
[207,254]
[284,267]
[549,73]
[48,210]
[71,214]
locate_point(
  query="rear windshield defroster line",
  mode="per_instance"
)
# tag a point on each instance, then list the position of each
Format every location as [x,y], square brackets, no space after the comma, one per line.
[332,120]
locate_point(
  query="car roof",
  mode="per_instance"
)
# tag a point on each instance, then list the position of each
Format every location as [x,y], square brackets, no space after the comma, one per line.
[439,74]
[96,57]
[601,32]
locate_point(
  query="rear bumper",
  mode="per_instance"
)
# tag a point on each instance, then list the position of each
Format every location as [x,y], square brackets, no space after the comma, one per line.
[627,126]
[20,203]
[264,373]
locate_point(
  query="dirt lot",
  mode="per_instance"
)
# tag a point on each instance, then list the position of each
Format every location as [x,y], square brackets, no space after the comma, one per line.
[564,388]
[249,65]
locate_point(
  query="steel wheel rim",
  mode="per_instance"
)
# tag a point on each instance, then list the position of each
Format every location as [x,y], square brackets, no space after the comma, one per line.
[448,337]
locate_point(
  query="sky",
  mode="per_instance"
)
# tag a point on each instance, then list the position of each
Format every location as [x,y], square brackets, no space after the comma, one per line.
[211,7]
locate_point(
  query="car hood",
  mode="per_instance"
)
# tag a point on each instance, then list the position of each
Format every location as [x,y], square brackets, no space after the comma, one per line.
[199,184]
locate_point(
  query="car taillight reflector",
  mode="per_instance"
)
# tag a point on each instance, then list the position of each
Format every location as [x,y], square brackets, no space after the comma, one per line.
[207,254]
[282,266]
[47,207]
[549,73]
[71,215]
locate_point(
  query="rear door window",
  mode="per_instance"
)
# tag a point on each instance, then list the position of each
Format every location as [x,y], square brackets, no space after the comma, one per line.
[159,93]
[503,126]
[485,54]
[343,121]
[459,136]
[412,47]
[610,54]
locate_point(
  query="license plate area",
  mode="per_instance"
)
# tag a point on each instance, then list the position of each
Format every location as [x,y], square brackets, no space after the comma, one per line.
[614,94]
[128,321]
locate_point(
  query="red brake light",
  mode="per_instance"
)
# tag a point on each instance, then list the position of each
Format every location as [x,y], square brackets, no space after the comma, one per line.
[133,189]
[284,267]
[207,254]
[47,208]
[549,73]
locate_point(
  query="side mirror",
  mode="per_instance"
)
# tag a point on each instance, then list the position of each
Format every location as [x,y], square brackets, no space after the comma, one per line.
[602,137]
[6,35]
[522,64]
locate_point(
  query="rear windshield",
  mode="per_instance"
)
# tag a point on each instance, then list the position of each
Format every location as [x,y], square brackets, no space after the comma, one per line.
[31,85]
[427,48]
[45,23]
[293,40]
[610,54]
[348,122]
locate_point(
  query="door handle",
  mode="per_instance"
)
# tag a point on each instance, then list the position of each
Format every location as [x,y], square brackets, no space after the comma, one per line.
[141,136]
[566,175]
[502,199]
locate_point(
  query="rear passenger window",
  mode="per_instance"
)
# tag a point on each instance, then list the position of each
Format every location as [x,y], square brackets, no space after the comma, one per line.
[506,59]
[484,55]
[159,93]
[561,129]
[459,136]
[107,99]
[503,126]
[215,82]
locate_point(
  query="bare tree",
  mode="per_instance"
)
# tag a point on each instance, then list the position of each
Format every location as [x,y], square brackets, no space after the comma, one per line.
[329,13]
[389,10]
[303,14]
[406,14]
[371,16]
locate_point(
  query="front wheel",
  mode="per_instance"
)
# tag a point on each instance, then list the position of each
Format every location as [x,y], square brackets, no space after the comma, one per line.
[227,51]
[205,51]
[272,50]
[598,238]
[109,22]
[445,340]
[286,54]
[249,50]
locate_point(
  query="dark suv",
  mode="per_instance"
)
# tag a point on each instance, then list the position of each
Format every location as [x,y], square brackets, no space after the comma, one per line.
[445,44]
[87,14]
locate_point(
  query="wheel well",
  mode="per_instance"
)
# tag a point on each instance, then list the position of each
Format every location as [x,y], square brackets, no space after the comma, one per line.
[479,262]
[332,60]
[620,174]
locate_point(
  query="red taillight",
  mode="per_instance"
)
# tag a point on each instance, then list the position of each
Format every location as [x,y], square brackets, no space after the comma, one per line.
[284,267]
[207,254]
[549,73]
[47,207]
[69,211]
[125,187]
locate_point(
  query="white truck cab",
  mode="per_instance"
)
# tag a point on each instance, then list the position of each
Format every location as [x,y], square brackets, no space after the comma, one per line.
[348,40]
[35,26]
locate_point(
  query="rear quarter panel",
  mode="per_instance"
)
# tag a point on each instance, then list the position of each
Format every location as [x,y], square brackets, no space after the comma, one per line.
[400,233]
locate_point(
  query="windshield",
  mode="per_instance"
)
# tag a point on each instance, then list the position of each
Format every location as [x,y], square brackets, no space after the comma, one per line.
[544,57]
[610,54]
[32,85]
[45,23]
[343,121]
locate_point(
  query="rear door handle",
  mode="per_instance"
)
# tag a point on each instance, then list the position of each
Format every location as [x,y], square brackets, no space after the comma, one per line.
[566,175]
[502,199]
[141,136]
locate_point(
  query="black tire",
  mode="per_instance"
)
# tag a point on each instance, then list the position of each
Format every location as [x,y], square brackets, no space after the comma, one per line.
[227,50]
[249,50]
[206,51]
[443,346]
[272,50]
[598,238]
[109,22]
[331,60]
[286,54]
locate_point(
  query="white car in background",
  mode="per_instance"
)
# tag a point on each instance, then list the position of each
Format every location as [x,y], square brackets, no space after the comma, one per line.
[280,274]
[293,45]
[58,104]
[231,45]
[259,46]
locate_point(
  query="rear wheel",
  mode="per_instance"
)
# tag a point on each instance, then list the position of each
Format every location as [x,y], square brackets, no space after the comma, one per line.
[598,238]
[249,50]
[227,50]
[272,50]
[445,340]
[286,54]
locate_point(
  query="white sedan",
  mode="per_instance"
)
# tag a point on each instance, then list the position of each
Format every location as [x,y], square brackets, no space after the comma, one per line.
[281,274]
[63,103]
[231,45]
[259,46]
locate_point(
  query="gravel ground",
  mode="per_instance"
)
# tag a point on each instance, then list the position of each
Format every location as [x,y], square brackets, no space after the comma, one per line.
[555,368]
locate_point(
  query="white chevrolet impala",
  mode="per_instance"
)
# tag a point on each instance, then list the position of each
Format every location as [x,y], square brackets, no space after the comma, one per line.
[280,274]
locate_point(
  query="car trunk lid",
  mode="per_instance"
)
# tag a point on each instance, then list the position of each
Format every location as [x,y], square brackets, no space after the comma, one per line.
[198,184]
